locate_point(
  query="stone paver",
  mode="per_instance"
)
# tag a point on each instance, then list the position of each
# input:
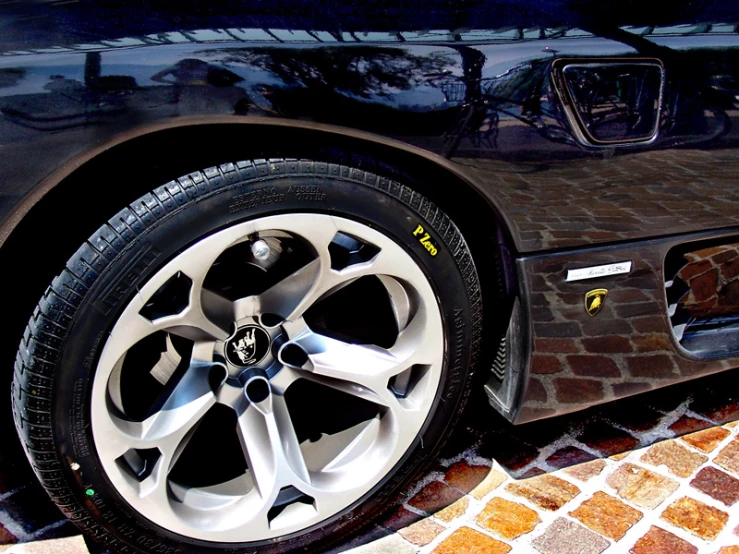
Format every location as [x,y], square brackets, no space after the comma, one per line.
[453,511]
[422,532]
[708,439]
[492,481]
[728,458]
[677,459]
[722,410]
[586,471]
[466,477]
[641,486]
[647,475]
[619,457]
[70,545]
[687,424]
[696,517]
[569,456]
[507,519]
[391,544]
[567,536]
[6,537]
[546,491]
[607,515]
[469,541]
[434,497]
[607,440]
[400,518]
[717,484]
[659,541]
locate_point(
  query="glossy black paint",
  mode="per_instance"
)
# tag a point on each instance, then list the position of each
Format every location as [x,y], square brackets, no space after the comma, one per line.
[475,93]
[629,347]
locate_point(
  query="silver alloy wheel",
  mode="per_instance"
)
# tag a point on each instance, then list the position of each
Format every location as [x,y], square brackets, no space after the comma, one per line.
[327,475]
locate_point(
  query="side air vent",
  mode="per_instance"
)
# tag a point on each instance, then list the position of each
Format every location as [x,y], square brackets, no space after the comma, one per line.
[702,291]
[611,101]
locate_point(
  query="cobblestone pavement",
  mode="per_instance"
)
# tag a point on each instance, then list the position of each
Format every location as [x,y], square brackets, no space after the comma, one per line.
[653,474]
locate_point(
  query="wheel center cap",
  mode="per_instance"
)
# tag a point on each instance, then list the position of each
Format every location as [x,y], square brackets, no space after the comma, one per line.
[249,346]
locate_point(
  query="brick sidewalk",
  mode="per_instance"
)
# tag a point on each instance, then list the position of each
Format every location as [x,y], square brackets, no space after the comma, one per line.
[653,474]
[673,497]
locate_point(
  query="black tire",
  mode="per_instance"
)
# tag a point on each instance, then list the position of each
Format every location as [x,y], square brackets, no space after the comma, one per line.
[57,356]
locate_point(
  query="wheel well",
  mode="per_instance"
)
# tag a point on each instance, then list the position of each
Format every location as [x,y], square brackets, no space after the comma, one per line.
[72,210]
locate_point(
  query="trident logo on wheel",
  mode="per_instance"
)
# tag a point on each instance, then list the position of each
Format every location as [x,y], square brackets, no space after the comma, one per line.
[246,347]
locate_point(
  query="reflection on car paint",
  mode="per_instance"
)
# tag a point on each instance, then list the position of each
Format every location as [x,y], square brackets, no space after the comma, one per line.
[481,97]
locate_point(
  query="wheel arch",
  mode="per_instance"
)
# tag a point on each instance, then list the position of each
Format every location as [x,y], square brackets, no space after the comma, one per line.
[103,179]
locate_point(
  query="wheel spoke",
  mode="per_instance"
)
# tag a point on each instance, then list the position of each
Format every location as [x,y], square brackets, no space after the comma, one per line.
[206,316]
[271,448]
[216,309]
[418,342]
[168,430]
[295,293]
[193,324]
[359,370]
[284,379]
[185,405]
[165,367]
[292,296]
[357,447]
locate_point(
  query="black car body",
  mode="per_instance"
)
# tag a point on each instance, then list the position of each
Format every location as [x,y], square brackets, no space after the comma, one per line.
[559,136]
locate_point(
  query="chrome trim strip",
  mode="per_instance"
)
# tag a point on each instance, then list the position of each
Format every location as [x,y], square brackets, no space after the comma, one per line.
[598,271]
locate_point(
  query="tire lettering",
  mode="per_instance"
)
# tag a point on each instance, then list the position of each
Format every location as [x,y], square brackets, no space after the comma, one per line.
[127,278]
[91,356]
[307,193]
[257,197]
[425,239]
[77,416]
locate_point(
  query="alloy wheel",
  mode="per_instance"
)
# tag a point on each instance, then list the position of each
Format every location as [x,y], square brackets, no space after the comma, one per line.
[267,378]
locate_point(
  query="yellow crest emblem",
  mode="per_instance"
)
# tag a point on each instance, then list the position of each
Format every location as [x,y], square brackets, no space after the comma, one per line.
[594,301]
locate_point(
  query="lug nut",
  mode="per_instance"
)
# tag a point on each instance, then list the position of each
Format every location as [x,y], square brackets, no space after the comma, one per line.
[260,249]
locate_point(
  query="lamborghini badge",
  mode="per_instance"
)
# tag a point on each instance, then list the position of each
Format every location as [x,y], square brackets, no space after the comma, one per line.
[594,301]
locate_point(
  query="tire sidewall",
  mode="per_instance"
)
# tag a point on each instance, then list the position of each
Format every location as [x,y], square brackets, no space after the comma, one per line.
[117,283]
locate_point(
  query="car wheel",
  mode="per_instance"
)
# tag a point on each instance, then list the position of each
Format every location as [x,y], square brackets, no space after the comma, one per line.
[258,356]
